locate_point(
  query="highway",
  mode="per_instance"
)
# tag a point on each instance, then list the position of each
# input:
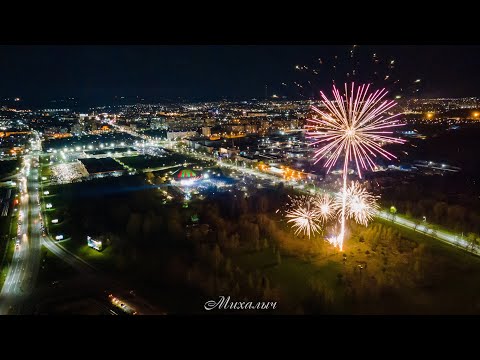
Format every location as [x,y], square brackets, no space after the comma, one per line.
[23,271]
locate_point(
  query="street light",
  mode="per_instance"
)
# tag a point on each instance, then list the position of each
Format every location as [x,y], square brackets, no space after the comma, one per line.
[393,211]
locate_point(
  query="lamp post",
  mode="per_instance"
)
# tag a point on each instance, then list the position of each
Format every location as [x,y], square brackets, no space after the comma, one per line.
[393,211]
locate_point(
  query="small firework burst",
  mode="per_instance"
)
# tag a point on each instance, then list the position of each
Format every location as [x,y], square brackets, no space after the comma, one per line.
[326,207]
[361,206]
[304,216]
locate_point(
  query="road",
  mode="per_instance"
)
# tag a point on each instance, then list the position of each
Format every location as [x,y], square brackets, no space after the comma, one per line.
[17,296]
[423,228]
[73,260]
[23,271]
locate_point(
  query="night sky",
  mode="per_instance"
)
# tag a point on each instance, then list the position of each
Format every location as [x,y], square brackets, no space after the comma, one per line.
[96,74]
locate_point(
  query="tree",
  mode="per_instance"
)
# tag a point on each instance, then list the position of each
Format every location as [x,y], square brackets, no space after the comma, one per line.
[235,240]
[241,204]
[175,228]
[472,240]
[222,237]
[456,216]
[150,176]
[262,204]
[228,267]
[440,210]
[148,227]
[250,281]
[134,226]
[255,234]
[217,256]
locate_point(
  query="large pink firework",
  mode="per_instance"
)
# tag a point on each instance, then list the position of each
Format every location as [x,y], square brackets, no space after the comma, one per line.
[355,126]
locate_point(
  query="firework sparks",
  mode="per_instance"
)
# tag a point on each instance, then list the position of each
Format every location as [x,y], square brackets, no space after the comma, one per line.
[360,204]
[325,206]
[304,216]
[354,126]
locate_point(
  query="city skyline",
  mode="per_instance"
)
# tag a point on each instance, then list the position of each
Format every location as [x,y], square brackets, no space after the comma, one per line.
[94,75]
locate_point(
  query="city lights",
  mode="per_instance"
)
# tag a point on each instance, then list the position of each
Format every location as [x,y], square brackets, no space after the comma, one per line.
[156,191]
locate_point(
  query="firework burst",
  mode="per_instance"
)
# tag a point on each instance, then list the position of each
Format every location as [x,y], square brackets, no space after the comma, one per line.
[325,206]
[354,126]
[361,206]
[304,216]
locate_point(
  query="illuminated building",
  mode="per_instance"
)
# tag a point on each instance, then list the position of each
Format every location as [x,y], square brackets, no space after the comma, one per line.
[206,131]
[95,244]
[186,176]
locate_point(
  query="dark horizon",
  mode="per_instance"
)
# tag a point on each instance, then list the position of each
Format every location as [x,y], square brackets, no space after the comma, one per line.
[97,75]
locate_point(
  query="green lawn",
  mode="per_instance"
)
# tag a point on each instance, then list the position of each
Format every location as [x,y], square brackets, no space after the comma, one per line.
[142,162]
[101,259]
[292,275]
[45,171]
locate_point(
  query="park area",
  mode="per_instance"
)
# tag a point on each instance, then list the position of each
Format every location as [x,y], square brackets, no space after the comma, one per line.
[239,245]
[152,163]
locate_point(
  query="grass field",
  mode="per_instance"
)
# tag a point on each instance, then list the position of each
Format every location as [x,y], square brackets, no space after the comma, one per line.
[142,162]
[45,171]
[292,274]
[100,259]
